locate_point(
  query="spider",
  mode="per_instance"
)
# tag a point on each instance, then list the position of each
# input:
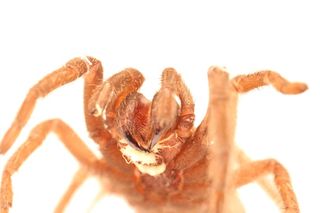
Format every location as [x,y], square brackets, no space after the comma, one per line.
[152,153]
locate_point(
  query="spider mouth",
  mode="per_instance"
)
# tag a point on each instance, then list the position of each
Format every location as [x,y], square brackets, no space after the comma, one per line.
[133,143]
[146,161]
[149,146]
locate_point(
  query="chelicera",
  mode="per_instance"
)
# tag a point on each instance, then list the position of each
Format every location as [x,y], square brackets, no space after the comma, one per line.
[153,155]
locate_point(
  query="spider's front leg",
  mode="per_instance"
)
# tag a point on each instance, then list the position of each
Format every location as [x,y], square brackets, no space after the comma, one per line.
[245,83]
[68,73]
[221,128]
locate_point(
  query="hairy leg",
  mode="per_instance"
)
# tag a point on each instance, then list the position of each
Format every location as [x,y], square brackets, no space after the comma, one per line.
[264,183]
[68,73]
[252,171]
[221,125]
[245,83]
[78,179]
[107,97]
[93,81]
[69,138]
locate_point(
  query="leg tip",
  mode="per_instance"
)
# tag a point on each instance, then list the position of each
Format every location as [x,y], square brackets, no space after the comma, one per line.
[295,88]
[218,74]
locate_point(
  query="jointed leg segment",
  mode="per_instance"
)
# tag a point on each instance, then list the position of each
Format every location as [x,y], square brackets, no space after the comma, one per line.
[264,183]
[252,171]
[245,83]
[221,126]
[108,96]
[73,143]
[93,82]
[221,122]
[78,179]
[68,73]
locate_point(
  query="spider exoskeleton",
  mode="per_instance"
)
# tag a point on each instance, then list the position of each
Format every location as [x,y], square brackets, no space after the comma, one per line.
[153,155]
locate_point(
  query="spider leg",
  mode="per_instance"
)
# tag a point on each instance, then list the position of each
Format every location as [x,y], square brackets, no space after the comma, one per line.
[251,171]
[78,179]
[245,83]
[93,81]
[264,183]
[101,194]
[107,97]
[69,138]
[68,73]
[221,124]
[171,81]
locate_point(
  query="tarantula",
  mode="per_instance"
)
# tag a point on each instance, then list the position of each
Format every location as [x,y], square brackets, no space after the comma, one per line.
[152,153]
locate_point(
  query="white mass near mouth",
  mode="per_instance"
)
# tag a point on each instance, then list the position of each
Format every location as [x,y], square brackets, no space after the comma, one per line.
[146,162]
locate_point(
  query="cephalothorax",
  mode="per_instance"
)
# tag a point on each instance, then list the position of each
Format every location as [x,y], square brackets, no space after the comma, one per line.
[152,153]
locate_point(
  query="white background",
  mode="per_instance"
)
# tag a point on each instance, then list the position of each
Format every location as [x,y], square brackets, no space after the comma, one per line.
[37,37]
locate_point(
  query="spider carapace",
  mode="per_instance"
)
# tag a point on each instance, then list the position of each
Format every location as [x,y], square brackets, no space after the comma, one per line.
[152,153]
